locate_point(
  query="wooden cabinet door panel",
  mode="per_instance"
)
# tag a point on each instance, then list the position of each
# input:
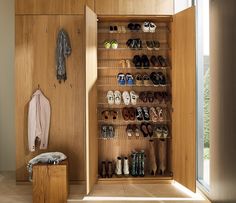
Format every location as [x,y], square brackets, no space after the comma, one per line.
[184,98]
[91,98]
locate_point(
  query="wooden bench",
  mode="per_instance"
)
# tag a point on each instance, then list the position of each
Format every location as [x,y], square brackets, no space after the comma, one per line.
[50,183]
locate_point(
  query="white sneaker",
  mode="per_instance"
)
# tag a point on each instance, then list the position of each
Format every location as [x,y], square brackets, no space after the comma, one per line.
[133,98]
[126,166]
[117,97]
[152,27]
[126,97]
[145,27]
[110,97]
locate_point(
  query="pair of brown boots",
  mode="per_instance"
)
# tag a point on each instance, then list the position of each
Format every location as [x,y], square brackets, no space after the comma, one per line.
[162,157]
[106,169]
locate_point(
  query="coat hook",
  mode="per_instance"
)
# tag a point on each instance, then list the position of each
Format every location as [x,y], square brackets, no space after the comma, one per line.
[70,85]
[78,31]
[55,85]
[38,87]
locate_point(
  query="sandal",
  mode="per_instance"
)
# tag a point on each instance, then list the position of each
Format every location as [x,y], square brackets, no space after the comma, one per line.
[133,97]
[122,62]
[128,63]
[153,114]
[160,113]
[126,98]
[105,115]
[110,97]
[117,97]
[144,129]
[125,113]
[143,96]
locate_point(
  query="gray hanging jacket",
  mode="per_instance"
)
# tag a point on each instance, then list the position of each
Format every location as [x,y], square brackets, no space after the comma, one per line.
[63,50]
[46,158]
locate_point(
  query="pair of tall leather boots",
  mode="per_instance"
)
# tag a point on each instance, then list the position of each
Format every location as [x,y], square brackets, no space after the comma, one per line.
[162,162]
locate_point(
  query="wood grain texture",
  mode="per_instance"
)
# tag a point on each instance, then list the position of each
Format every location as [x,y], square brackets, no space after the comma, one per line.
[50,183]
[35,64]
[134,7]
[51,6]
[184,98]
[91,98]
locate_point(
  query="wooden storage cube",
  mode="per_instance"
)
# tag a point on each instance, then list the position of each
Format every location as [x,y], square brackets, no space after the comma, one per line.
[50,183]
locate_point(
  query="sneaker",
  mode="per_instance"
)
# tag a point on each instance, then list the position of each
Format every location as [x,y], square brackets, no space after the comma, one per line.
[114,44]
[146,114]
[165,131]
[110,97]
[152,27]
[145,27]
[133,98]
[107,44]
[121,78]
[117,97]
[126,98]
[129,79]
[139,113]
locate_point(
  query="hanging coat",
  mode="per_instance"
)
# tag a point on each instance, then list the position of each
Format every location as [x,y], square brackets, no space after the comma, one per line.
[38,120]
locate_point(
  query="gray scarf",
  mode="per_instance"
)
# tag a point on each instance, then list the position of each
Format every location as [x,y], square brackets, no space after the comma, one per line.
[63,50]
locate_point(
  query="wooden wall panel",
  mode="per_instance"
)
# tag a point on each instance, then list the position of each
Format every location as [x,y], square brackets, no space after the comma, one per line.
[52,6]
[35,64]
[134,7]
[184,98]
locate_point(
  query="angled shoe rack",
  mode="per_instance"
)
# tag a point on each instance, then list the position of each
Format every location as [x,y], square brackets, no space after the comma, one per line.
[176,35]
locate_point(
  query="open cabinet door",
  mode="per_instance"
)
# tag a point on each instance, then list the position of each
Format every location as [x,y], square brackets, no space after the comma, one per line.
[184,98]
[91,98]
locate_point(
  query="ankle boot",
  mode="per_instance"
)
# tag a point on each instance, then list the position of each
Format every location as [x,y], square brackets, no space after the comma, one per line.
[134,164]
[109,171]
[162,156]
[103,170]
[126,166]
[118,166]
[141,163]
[152,158]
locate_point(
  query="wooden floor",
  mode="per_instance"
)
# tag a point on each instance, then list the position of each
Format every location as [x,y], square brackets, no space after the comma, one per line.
[12,193]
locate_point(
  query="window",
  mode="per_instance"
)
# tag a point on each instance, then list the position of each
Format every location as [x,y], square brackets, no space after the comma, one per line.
[203,98]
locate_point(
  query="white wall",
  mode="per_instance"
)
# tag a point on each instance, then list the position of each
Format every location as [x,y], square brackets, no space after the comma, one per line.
[180,5]
[7,101]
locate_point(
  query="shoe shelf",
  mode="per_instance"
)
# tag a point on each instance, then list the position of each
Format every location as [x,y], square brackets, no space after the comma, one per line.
[111,81]
[116,136]
[131,179]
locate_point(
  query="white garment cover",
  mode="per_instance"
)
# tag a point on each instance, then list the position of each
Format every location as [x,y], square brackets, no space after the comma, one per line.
[38,120]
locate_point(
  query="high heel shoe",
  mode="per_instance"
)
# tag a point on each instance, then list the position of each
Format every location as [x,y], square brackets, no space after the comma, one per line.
[152,158]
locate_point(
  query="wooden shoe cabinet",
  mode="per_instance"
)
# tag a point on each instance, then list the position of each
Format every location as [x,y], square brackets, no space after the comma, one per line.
[177,37]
